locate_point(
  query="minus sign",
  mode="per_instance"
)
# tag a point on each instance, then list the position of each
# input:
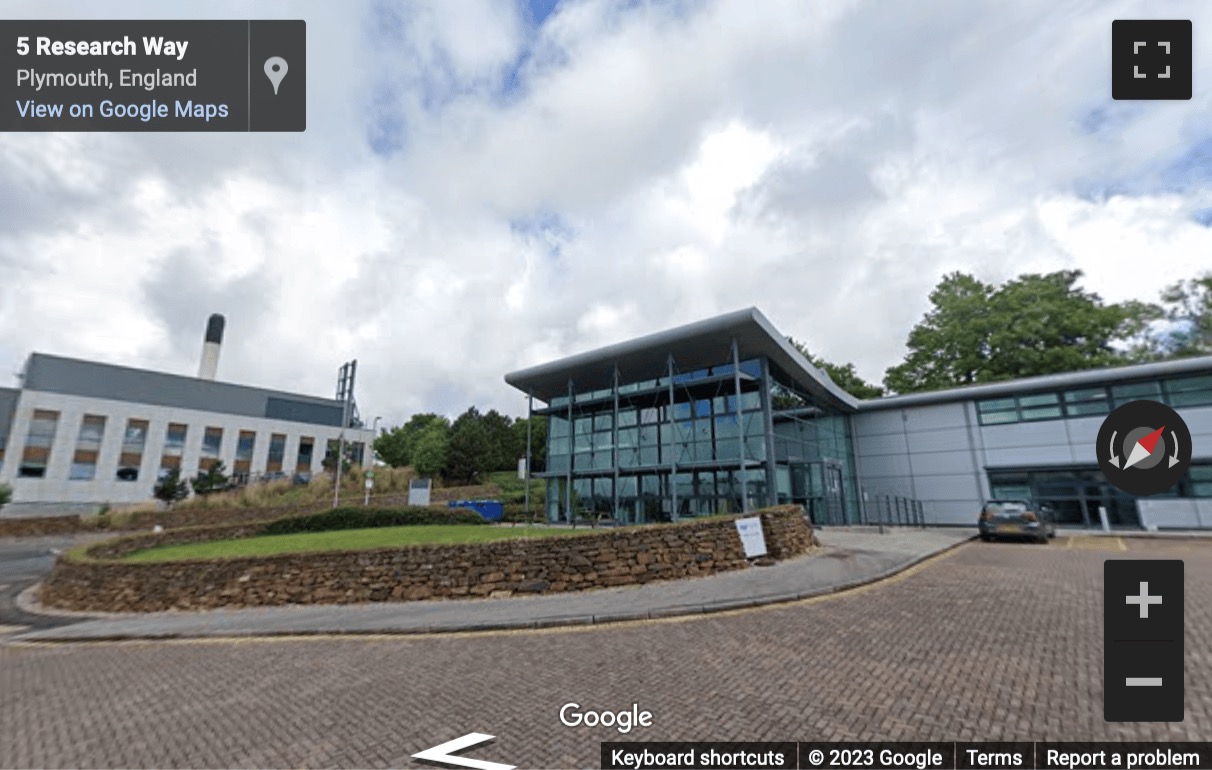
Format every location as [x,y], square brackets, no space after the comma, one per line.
[1144,681]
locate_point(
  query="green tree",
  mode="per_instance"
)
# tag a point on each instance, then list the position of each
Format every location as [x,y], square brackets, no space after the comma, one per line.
[502,445]
[329,463]
[1188,306]
[468,454]
[844,376]
[395,446]
[6,495]
[430,449]
[950,345]
[538,440]
[1032,325]
[213,479]
[171,488]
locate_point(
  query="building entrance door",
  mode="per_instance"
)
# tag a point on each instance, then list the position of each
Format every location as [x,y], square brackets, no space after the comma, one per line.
[835,499]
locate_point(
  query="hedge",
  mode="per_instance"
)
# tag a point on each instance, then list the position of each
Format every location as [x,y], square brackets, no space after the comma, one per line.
[365,518]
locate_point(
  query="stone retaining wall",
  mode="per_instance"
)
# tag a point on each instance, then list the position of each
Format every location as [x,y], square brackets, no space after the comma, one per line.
[502,568]
[41,526]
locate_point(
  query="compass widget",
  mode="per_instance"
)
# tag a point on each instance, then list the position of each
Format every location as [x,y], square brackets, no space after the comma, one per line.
[1143,448]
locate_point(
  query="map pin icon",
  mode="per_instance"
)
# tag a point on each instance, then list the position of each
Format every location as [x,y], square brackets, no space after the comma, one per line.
[275,70]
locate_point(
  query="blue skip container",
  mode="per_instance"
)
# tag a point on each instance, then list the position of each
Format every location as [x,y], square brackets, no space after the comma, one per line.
[491,510]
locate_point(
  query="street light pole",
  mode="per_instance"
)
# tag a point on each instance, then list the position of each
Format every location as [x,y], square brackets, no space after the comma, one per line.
[336,486]
[370,475]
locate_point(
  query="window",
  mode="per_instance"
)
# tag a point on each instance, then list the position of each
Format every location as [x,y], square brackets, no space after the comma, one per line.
[212,443]
[174,447]
[1189,391]
[1039,406]
[133,442]
[88,446]
[1088,401]
[307,448]
[277,452]
[38,441]
[1135,391]
[997,411]
[244,452]
[1200,484]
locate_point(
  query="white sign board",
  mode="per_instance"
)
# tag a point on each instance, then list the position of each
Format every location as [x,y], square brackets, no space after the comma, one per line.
[418,491]
[522,469]
[752,539]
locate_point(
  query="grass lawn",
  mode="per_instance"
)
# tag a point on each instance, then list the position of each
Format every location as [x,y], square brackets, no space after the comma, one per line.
[343,540]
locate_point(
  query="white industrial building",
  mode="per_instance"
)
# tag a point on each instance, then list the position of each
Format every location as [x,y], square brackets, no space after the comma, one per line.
[80,434]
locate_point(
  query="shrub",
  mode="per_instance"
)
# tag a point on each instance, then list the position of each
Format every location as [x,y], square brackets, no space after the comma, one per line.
[213,479]
[6,495]
[364,518]
[172,488]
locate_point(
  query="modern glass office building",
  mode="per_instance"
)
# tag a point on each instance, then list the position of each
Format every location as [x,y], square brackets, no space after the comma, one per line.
[724,415]
[716,417]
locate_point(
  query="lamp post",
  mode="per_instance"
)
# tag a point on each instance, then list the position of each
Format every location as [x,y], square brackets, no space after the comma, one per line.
[370,475]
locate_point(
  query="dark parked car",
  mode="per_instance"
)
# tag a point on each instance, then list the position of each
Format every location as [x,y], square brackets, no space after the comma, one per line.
[1018,519]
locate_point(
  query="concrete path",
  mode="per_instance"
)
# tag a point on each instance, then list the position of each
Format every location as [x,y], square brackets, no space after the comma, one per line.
[849,558]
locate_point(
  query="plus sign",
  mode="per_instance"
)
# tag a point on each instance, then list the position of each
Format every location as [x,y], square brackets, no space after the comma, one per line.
[1144,600]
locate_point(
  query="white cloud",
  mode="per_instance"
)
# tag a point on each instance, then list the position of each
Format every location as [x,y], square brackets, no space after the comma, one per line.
[650,166]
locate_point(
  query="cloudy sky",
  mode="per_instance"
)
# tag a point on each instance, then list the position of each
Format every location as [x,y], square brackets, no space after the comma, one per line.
[486,185]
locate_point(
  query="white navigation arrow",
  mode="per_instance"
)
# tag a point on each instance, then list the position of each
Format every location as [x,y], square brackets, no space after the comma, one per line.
[442,753]
[1174,457]
[1138,453]
[1114,457]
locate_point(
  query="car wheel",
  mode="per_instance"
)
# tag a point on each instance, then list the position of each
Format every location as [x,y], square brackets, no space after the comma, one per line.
[1042,539]
[985,537]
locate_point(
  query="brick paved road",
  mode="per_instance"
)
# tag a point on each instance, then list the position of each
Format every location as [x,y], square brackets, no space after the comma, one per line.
[991,642]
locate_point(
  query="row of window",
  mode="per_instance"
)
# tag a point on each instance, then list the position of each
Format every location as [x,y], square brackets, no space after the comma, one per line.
[1086,402]
[648,497]
[629,416]
[36,454]
[752,368]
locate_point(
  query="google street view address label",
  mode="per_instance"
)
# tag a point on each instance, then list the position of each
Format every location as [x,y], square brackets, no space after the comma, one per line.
[153,75]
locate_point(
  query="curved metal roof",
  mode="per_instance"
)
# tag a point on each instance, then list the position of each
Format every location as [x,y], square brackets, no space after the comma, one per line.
[1088,377]
[693,346]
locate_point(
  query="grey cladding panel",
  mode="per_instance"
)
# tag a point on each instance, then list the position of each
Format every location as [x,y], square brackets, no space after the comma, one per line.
[933,417]
[302,411]
[8,406]
[1054,454]
[878,423]
[887,444]
[934,463]
[947,440]
[1025,434]
[69,376]
[962,487]
[881,466]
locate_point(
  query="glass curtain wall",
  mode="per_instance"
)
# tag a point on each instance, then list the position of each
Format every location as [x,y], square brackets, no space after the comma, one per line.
[813,454]
[695,456]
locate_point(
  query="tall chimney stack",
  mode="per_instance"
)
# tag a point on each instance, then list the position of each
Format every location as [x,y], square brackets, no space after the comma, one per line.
[210,347]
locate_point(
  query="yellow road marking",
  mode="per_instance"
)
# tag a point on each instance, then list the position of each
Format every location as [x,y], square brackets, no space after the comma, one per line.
[1096,543]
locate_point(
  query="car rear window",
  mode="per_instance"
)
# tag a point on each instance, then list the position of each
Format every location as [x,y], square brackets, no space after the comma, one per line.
[1005,507]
